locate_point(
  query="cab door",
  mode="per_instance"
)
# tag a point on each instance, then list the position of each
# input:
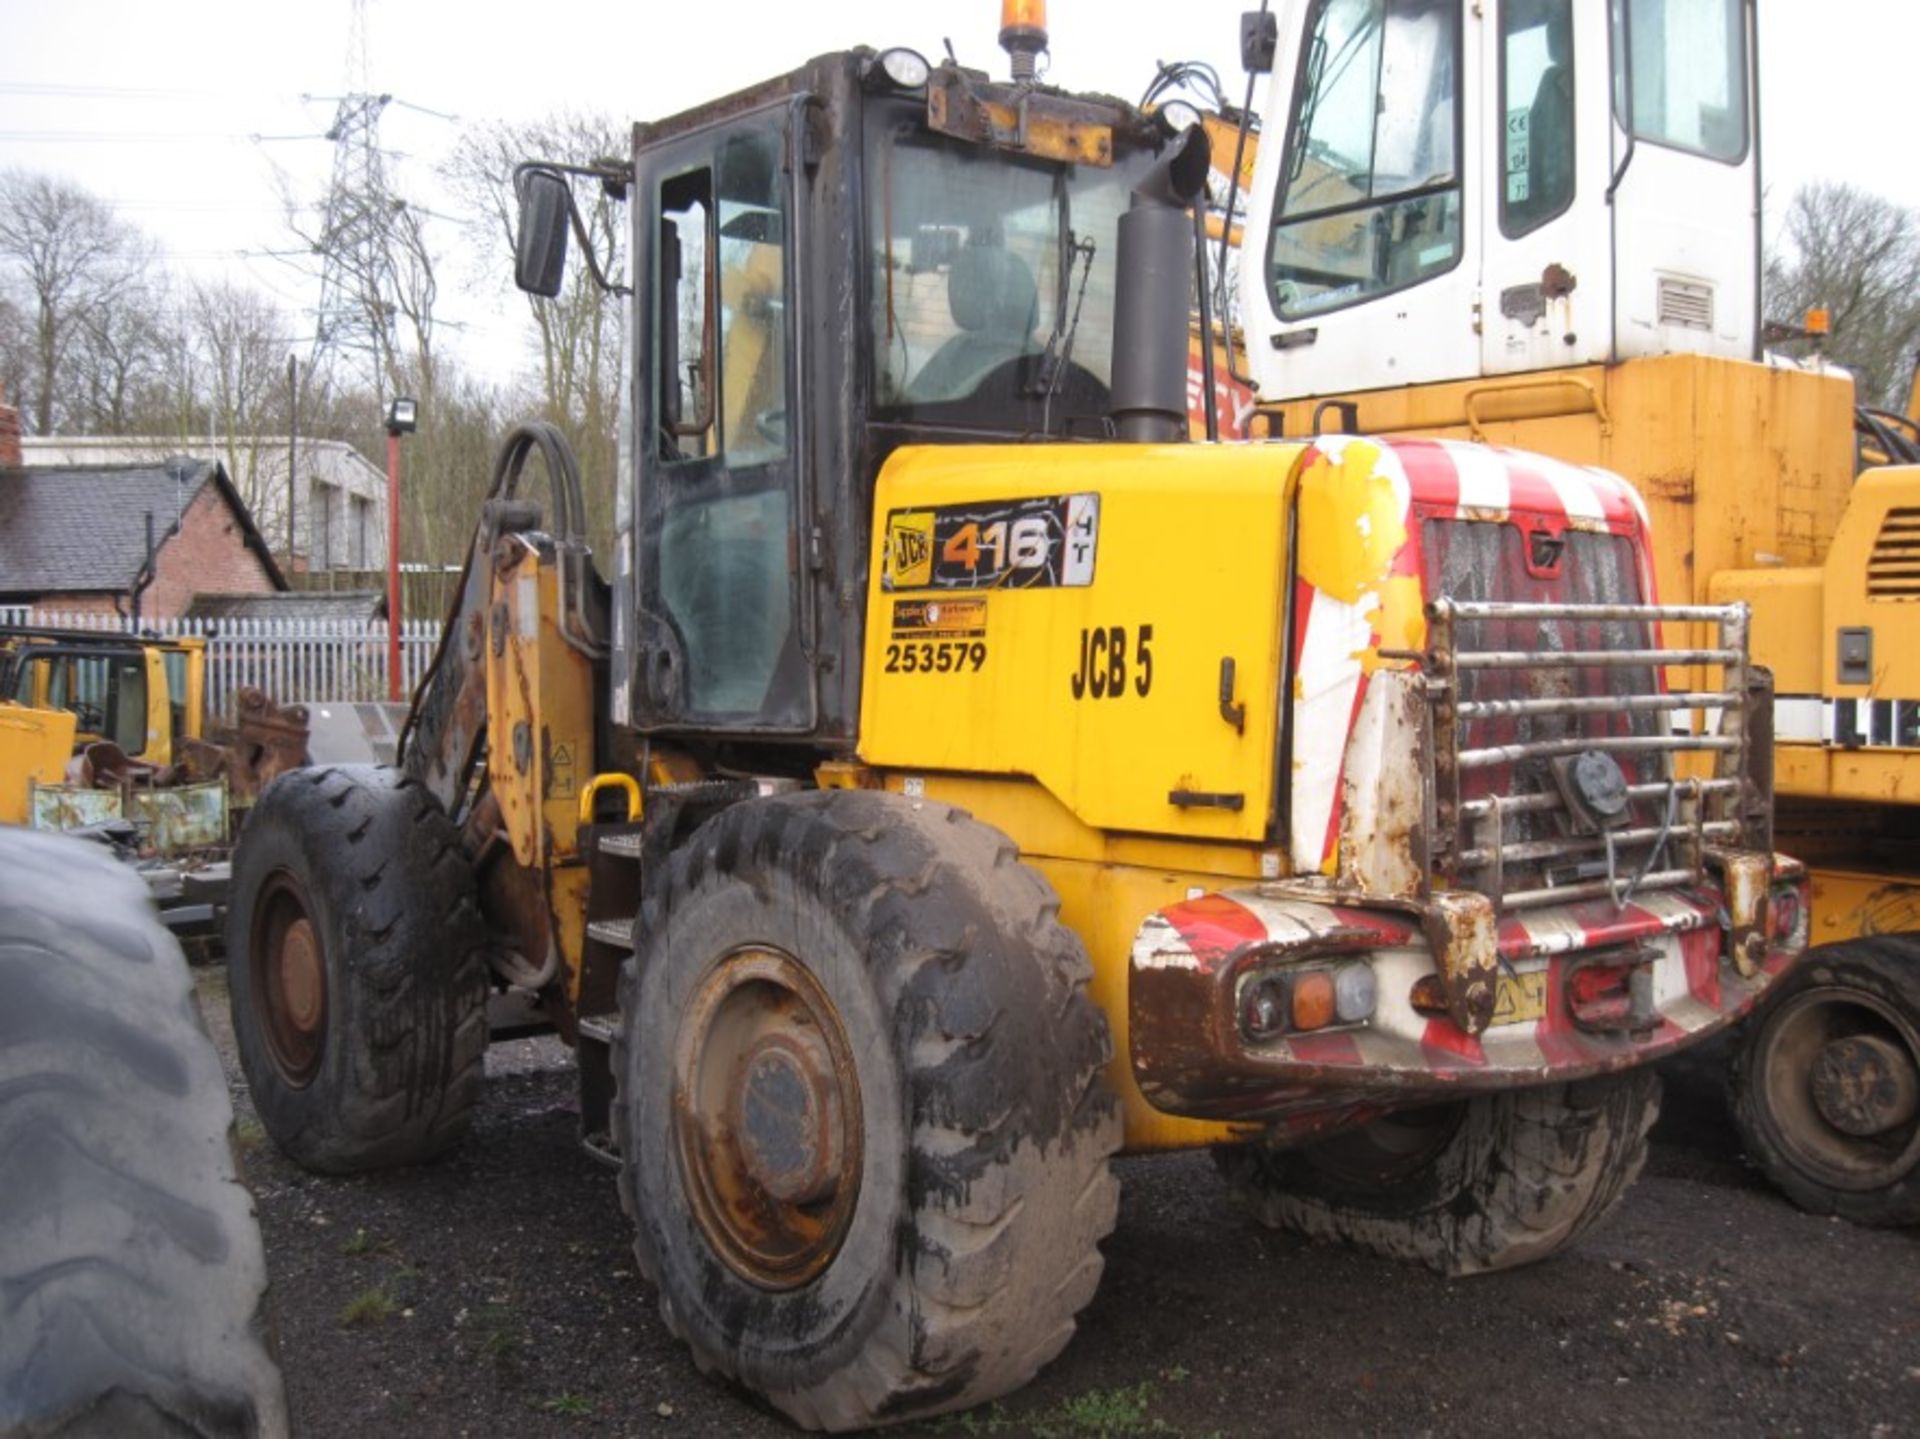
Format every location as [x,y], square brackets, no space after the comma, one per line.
[722,638]
[1686,228]
[1546,290]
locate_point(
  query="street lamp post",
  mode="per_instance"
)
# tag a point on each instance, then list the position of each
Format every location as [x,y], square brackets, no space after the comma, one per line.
[402,418]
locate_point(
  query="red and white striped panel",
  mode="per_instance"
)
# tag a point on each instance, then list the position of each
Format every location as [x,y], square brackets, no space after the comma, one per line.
[1333,637]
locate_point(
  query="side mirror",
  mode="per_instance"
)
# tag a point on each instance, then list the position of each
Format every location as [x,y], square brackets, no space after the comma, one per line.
[540,251]
[1259,38]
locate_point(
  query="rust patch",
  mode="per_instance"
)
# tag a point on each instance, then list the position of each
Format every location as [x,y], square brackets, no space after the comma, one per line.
[1744,878]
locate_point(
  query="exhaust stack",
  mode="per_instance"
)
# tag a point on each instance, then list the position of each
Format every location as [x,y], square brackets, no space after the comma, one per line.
[1155,278]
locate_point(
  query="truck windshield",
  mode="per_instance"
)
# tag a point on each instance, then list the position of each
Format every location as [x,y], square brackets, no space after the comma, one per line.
[1370,194]
[984,267]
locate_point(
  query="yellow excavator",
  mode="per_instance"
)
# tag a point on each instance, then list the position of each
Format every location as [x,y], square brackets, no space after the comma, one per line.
[1536,223]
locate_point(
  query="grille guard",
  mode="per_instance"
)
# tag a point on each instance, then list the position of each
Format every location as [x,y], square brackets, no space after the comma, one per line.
[1712,820]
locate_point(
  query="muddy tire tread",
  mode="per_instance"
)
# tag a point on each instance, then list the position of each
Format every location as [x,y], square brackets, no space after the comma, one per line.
[1525,1176]
[980,1304]
[132,1274]
[412,1034]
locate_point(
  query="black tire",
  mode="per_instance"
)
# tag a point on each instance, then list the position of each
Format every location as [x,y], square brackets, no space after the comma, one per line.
[356,960]
[1489,1183]
[132,1277]
[949,1236]
[1842,1031]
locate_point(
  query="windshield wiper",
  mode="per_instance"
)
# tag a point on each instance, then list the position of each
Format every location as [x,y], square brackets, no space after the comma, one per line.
[1059,348]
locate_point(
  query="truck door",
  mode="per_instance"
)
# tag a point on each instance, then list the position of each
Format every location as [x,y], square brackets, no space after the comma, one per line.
[721,639]
[1546,289]
[1686,204]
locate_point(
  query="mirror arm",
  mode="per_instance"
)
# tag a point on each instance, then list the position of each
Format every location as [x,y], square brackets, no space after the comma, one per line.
[614,178]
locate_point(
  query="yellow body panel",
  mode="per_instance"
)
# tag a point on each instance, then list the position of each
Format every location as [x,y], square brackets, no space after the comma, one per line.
[1108,691]
[35,745]
[1108,884]
[1849,903]
[1741,465]
[1786,622]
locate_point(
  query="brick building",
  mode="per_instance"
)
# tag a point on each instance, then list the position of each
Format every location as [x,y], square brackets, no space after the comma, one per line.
[339,499]
[75,539]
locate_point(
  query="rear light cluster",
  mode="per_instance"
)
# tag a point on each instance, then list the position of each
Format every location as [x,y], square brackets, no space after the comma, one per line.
[1303,1000]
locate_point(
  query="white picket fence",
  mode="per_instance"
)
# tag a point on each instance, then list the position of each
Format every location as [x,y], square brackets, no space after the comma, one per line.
[295,661]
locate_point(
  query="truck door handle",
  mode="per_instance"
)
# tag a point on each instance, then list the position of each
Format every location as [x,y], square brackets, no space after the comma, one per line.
[1233,714]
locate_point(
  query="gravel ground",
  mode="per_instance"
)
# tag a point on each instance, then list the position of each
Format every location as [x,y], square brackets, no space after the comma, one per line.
[494,1293]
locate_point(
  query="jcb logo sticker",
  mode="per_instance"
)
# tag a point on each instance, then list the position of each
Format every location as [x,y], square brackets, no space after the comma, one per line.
[909,549]
[1036,542]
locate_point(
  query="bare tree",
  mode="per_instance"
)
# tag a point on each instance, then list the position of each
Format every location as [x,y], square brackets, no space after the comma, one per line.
[1856,255]
[119,366]
[70,260]
[576,336]
[240,338]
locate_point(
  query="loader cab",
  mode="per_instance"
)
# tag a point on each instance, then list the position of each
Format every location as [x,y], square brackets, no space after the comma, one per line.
[829,266]
[1468,189]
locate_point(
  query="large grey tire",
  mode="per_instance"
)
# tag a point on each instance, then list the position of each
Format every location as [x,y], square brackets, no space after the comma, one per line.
[1489,1183]
[864,1129]
[356,961]
[1825,1082]
[131,1272]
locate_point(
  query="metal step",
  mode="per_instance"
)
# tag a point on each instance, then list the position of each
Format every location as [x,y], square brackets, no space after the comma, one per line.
[616,932]
[599,1028]
[624,844]
[600,1146]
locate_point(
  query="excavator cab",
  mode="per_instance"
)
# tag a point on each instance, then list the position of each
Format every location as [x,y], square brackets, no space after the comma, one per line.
[1467,190]
[934,252]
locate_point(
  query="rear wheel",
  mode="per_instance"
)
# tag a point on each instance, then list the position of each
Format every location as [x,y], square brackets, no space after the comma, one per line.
[132,1278]
[1489,1183]
[863,1126]
[355,959]
[1825,1082]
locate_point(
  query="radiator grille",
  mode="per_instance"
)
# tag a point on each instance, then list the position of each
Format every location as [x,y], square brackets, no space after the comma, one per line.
[1893,570]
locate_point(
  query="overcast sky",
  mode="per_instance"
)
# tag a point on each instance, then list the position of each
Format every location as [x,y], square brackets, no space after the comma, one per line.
[180,113]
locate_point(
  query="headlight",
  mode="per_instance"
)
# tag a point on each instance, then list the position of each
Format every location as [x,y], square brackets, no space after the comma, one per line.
[905,69]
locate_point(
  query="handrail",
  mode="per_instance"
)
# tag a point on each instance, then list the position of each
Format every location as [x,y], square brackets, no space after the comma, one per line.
[1595,403]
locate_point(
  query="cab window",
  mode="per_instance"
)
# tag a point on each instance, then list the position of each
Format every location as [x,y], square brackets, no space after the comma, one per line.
[1536,99]
[1370,191]
[1684,63]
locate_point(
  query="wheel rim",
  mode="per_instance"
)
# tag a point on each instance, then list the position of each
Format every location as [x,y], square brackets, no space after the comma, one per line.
[766,1118]
[1839,1070]
[289,971]
[1389,1148]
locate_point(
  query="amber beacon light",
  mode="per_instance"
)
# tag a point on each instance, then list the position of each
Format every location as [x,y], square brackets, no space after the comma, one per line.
[1023,33]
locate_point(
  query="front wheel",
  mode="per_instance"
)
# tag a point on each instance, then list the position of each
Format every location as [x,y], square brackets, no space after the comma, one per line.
[356,964]
[1484,1184]
[864,1129]
[1825,1082]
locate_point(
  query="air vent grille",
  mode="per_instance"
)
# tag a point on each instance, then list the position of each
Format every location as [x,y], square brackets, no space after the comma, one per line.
[1893,570]
[1686,304]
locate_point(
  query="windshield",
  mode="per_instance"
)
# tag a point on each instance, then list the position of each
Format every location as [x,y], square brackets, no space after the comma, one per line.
[1370,197]
[992,282]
